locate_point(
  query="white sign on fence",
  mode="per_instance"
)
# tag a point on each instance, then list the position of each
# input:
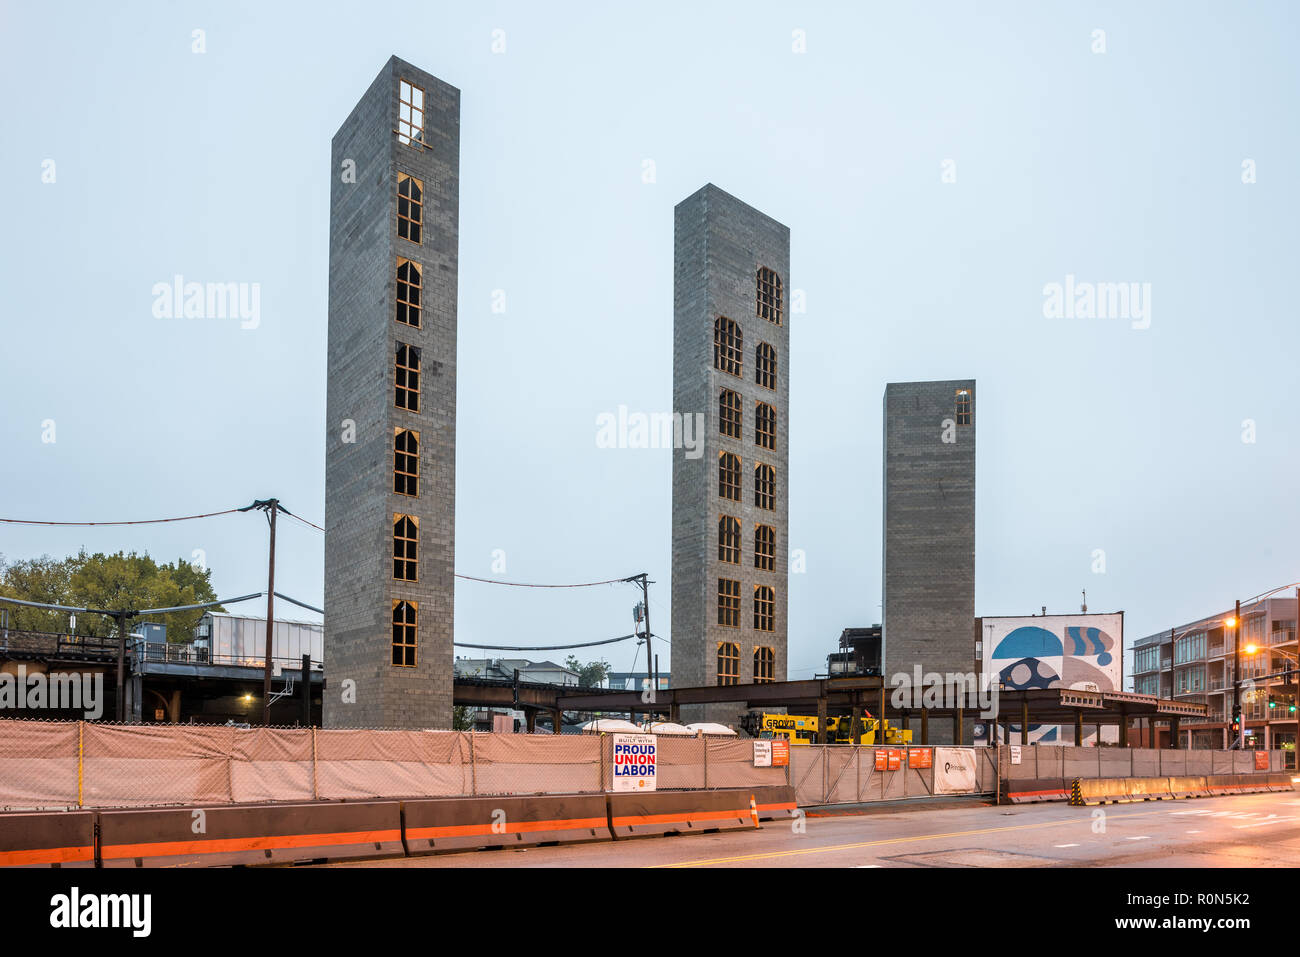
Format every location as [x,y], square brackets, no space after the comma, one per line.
[954,770]
[1015,754]
[762,754]
[634,762]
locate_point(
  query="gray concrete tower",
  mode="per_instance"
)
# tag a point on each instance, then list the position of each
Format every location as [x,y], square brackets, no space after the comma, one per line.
[929,529]
[731,339]
[390,481]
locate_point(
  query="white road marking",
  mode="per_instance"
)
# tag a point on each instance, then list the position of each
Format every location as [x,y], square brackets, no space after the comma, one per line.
[868,865]
[1193,831]
[1271,819]
[1065,845]
[1142,837]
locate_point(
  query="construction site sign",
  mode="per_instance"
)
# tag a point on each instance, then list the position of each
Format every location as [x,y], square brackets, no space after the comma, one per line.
[954,770]
[634,762]
[780,754]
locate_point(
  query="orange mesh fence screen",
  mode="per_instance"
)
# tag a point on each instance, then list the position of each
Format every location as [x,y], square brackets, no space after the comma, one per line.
[536,764]
[38,764]
[56,764]
[681,762]
[731,765]
[380,764]
[126,765]
[269,764]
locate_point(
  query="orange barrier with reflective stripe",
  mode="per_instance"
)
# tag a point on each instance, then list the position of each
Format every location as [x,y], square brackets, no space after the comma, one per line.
[47,839]
[285,833]
[679,812]
[442,824]
[224,845]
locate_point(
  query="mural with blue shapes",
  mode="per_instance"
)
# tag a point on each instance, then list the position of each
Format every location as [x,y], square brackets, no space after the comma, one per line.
[1055,651]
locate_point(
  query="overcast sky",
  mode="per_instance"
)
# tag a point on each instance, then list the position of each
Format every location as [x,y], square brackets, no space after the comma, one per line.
[1122,166]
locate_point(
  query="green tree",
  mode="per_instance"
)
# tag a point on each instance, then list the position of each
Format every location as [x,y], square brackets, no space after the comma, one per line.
[590,675]
[119,581]
[37,579]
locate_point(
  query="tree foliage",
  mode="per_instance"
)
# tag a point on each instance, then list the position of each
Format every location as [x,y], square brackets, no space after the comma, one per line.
[590,675]
[112,582]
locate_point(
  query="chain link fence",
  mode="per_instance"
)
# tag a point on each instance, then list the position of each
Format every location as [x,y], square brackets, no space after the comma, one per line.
[853,774]
[57,764]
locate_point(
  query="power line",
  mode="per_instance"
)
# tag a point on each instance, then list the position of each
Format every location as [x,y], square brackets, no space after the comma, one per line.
[310,524]
[147,521]
[134,614]
[299,518]
[585,644]
[493,581]
[300,604]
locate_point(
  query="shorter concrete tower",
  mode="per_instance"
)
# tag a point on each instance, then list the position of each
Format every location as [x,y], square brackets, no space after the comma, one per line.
[929,529]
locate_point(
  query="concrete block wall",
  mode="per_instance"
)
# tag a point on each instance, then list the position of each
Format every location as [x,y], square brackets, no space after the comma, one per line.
[719,245]
[929,531]
[363,339]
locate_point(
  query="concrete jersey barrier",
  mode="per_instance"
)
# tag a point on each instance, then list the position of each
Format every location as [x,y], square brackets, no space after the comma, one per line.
[442,824]
[249,834]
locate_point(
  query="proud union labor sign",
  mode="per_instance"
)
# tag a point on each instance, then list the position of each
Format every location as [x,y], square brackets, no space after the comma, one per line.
[634,762]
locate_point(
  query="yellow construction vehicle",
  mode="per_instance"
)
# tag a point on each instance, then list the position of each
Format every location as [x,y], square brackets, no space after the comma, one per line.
[802,729]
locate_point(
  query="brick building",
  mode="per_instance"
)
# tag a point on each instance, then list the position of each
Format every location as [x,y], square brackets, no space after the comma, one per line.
[391,404]
[730,361]
[929,527]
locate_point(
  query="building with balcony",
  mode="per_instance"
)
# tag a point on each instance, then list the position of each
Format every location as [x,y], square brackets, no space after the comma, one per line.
[1194,662]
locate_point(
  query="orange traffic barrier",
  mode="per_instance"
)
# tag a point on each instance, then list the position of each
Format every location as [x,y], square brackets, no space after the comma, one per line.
[774,802]
[47,839]
[249,834]
[679,812]
[444,824]
[1030,790]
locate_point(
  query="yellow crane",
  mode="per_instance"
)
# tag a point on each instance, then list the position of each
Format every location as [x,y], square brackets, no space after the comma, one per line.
[802,729]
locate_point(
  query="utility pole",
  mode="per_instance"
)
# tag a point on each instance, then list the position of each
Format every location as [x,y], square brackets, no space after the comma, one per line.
[272,507]
[1173,643]
[651,666]
[121,666]
[1236,678]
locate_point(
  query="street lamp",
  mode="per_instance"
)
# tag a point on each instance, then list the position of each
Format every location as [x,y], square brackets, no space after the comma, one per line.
[1252,649]
[1229,622]
[1236,660]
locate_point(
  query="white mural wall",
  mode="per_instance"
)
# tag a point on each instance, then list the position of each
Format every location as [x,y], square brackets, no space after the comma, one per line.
[1080,651]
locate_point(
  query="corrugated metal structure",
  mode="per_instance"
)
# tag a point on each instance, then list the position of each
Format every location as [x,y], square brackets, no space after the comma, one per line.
[241,640]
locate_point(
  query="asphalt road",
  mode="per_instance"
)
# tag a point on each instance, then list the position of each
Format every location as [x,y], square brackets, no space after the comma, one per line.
[1254,830]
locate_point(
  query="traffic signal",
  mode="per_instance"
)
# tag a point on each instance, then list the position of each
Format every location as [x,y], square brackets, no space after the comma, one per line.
[1236,720]
[1271,704]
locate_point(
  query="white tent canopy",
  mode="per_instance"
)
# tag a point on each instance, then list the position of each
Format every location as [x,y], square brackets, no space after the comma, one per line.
[608,725]
[667,727]
[709,727]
